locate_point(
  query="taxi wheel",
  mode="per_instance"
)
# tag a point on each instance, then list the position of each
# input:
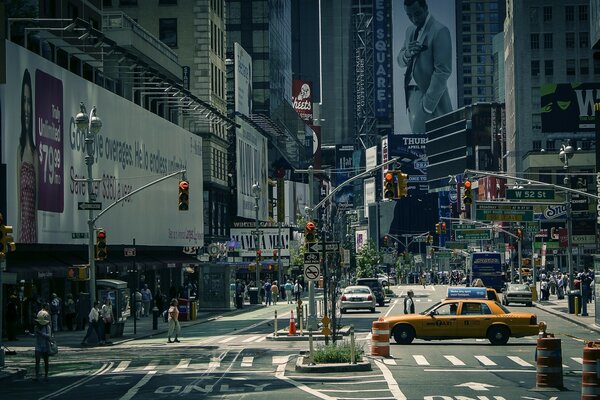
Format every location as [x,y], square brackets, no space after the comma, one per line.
[498,335]
[404,334]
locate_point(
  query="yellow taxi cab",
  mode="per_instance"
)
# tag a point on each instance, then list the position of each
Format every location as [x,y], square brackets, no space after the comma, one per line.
[465,313]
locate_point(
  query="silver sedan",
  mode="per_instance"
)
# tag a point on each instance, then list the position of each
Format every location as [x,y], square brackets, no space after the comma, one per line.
[357,298]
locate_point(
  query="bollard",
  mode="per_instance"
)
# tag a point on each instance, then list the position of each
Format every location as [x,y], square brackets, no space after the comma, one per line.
[380,338]
[310,346]
[275,324]
[548,357]
[576,305]
[590,374]
[155,318]
[352,351]
[301,321]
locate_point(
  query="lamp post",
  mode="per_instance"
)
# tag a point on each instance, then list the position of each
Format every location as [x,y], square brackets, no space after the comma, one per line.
[256,192]
[91,126]
[566,153]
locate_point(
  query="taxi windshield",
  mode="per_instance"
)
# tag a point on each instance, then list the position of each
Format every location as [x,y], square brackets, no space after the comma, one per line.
[506,310]
[430,308]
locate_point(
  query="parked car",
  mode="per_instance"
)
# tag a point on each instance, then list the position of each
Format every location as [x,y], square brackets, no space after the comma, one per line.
[376,288]
[383,279]
[457,318]
[517,293]
[357,298]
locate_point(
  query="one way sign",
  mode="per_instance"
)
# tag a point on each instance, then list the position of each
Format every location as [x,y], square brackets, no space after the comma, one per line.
[329,247]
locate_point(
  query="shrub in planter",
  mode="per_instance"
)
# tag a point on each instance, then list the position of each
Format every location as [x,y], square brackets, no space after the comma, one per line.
[337,352]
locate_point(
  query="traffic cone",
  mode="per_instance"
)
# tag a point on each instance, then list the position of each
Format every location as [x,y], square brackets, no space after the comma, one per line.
[292,329]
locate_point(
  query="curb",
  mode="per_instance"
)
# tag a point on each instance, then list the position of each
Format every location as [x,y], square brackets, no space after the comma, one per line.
[337,367]
[585,324]
[282,336]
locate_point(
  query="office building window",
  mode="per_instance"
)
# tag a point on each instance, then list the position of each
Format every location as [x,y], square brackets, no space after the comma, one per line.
[466,59]
[480,27]
[466,28]
[480,38]
[467,101]
[535,67]
[480,17]
[570,40]
[596,66]
[547,40]
[571,67]
[548,67]
[467,70]
[466,17]
[466,6]
[584,40]
[569,13]
[584,66]
[550,145]
[467,80]
[466,38]
[535,41]
[466,48]
[547,13]
[167,31]
[479,6]
[468,91]
[583,13]
[481,59]
[537,145]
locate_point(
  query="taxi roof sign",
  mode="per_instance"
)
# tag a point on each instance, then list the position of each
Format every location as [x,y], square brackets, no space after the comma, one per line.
[467,293]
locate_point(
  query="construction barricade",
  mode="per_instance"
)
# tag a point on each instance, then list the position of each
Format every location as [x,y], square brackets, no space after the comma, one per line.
[380,338]
[590,376]
[548,357]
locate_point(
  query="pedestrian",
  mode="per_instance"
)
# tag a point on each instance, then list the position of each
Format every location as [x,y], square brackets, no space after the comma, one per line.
[70,312]
[409,303]
[586,291]
[268,293]
[159,300]
[146,299]
[239,294]
[55,306]
[275,292]
[42,333]
[107,319]
[138,304]
[174,327]
[93,324]
[11,318]
[297,290]
[288,291]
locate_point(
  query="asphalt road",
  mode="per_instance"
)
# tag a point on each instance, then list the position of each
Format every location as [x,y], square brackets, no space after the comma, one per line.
[232,358]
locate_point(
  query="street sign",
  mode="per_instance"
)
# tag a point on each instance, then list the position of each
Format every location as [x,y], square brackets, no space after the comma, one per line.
[488,211]
[129,251]
[465,226]
[312,258]
[92,205]
[455,245]
[444,254]
[473,234]
[329,247]
[312,272]
[255,232]
[532,227]
[530,194]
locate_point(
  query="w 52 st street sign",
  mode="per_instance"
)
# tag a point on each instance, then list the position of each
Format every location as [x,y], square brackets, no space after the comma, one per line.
[530,194]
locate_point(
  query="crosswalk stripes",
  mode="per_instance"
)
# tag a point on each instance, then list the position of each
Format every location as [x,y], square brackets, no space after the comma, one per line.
[420,359]
[247,361]
[122,366]
[184,363]
[520,361]
[454,360]
[485,361]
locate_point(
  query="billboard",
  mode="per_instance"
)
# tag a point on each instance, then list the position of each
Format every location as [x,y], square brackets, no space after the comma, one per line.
[343,160]
[45,154]
[382,58]
[267,241]
[569,107]
[410,149]
[251,167]
[432,66]
[302,99]
[243,80]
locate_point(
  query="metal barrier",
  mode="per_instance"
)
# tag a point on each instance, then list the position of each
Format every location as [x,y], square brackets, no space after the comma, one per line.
[548,357]
[380,338]
[590,376]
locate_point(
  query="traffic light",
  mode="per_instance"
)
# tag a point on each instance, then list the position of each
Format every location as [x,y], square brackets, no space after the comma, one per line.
[259,255]
[385,241]
[388,186]
[402,184]
[274,254]
[78,273]
[438,228]
[6,239]
[443,228]
[310,232]
[467,196]
[184,195]
[429,239]
[101,249]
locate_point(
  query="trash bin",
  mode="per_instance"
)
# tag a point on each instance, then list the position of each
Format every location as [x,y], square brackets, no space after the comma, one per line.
[571,296]
[253,294]
[184,309]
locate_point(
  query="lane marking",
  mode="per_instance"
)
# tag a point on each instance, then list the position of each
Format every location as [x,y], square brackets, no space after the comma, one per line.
[391,382]
[478,370]
[454,360]
[578,360]
[229,339]
[247,361]
[104,368]
[215,362]
[280,374]
[421,360]
[519,361]
[152,365]
[133,391]
[122,366]
[485,360]
[279,359]
[184,363]
[251,339]
[354,391]
[359,382]
[388,361]
[261,339]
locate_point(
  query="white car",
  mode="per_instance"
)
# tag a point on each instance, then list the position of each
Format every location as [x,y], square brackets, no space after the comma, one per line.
[357,298]
[383,279]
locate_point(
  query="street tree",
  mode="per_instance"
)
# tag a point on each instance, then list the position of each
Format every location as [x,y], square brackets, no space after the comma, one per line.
[366,260]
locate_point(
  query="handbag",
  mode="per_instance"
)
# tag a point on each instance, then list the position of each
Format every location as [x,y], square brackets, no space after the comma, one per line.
[108,319]
[52,347]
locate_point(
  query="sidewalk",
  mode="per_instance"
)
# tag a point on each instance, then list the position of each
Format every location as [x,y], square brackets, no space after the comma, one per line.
[560,308]
[143,329]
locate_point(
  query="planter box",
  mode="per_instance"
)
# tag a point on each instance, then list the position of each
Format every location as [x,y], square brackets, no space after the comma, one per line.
[303,366]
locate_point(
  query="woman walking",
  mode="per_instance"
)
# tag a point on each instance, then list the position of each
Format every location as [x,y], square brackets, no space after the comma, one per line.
[42,335]
[174,327]
[107,318]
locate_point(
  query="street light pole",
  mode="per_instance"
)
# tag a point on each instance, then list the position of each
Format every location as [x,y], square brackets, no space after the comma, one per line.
[256,192]
[91,125]
[566,152]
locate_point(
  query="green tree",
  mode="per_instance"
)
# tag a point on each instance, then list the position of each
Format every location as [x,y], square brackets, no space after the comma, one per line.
[366,259]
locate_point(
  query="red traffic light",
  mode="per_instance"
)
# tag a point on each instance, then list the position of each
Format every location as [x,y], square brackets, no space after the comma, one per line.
[184,185]
[389,176]
[467,185]
[310,226]
[101,235]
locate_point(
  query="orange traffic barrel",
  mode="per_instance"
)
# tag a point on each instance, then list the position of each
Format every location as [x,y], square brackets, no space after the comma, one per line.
[590,377]
[380,338]
[548,357]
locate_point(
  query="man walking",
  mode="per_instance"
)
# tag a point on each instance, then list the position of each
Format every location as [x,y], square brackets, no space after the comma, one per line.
[93,325]
[146,299]
[409,304]
[427,57]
